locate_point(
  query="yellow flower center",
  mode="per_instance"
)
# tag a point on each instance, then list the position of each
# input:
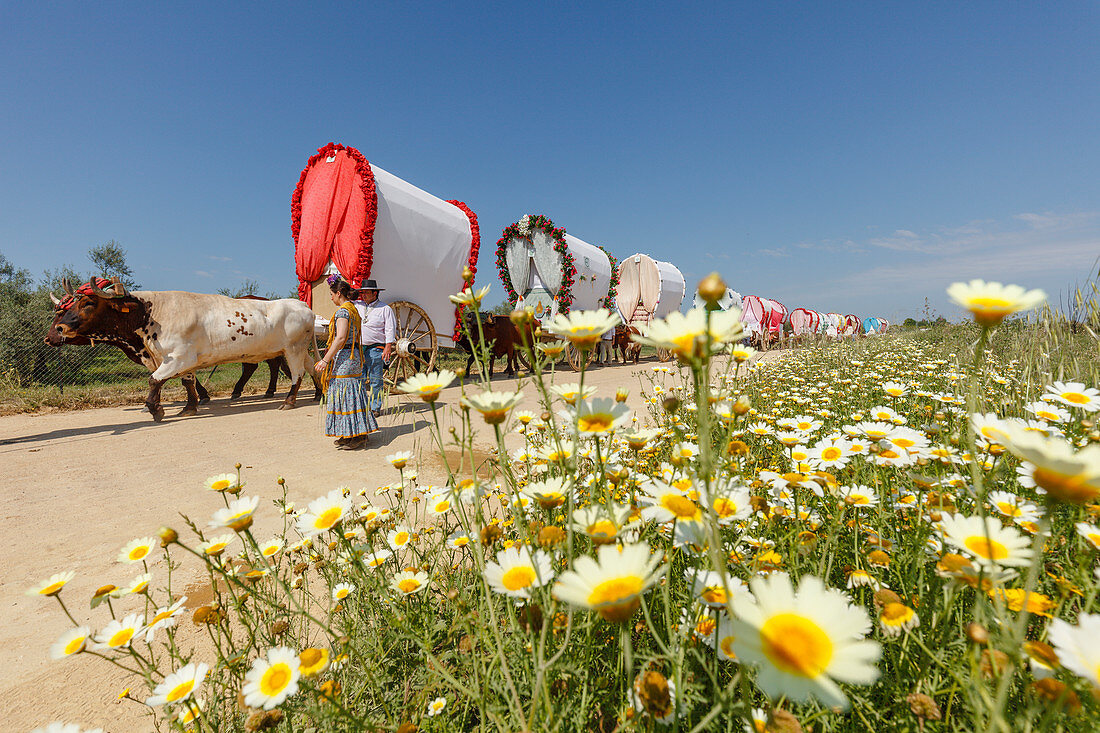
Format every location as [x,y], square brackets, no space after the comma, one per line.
[858,499]
[706,626]
[342,594]
[1010,510]
[408,585]
[595,423]
[1077,398]
[726,643]
[120,637]
[1094,538]
[180,691]
[75,645]
[796,645]
[442,506]
[221,485]
[138,552]
[715,595]
[723,507]
[52,588]
[275,679]
[1073,488]
[328,517]
[400,538]
[603,528]
[312,660]
[680,506]
[985,547]
[461,541]
[896,614]
[617,598]
[831,453]
[904,442]
[518,578]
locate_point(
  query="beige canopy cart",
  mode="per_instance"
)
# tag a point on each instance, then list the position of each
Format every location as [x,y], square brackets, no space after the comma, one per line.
[649,289]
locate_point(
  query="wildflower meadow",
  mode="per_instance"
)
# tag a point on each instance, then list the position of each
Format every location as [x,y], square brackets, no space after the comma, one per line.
[892,533]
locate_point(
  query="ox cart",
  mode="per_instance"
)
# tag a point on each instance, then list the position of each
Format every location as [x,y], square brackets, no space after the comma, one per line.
[350,217]
[763,320]
[549,271]
[649,289]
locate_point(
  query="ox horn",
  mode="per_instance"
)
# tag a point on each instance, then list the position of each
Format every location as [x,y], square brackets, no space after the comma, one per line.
[54,298]
[101,293]
[66,286]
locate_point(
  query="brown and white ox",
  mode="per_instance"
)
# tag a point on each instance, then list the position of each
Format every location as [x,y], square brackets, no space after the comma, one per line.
[53,338]
[173,333]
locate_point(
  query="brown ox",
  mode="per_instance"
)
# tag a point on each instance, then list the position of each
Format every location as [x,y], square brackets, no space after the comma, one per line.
[624,345]
[173,333]
[130,350]
[501,336]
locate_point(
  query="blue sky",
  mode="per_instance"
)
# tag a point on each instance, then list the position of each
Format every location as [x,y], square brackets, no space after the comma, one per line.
[855,157]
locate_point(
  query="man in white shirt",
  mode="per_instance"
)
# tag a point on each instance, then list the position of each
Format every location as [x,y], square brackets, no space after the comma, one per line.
[379,338]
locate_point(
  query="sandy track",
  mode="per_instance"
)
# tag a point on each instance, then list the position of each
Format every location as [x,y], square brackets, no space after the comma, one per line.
[82,484]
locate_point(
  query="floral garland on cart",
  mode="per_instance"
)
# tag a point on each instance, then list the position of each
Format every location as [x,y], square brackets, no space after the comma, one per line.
[471,262]
[523,229]
[370,195]
[613,287]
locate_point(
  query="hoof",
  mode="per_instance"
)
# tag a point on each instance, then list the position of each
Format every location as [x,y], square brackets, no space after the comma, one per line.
[187,411]
[286,406]
[269,394]
[204,400]
[235,396]
[158,413]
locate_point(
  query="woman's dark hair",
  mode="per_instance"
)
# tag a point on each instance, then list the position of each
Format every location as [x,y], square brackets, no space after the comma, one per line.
[339,285]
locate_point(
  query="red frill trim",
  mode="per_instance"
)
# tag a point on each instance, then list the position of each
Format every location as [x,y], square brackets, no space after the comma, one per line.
[471,261]
[370,195]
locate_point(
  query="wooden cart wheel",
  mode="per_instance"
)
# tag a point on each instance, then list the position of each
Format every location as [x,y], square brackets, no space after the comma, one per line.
[575,355]
[664,354]
[417,343]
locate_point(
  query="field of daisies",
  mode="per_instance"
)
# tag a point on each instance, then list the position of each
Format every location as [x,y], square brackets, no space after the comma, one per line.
[895,533]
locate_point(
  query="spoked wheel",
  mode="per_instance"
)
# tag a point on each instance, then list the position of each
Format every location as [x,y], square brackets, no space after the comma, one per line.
[664,354]
[578,358]
[416,343]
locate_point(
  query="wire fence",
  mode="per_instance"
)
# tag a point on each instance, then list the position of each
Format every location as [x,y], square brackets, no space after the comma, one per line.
[34,375]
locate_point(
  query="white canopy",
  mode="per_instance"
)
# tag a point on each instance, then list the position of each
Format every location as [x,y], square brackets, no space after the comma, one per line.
[732,299]
[535,263]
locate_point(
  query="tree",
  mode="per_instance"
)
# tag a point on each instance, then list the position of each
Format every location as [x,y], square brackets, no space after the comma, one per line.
[502,309]
[910,323]
[248,287]
[109,261]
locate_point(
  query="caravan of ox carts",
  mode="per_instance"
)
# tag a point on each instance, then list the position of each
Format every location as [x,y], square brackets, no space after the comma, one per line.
[352,218]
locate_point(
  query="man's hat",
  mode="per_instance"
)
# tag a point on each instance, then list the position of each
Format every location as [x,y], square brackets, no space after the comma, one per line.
[370,285]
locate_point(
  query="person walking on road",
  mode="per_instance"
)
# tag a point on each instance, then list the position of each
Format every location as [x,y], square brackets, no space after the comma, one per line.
[379,338]
[347,409]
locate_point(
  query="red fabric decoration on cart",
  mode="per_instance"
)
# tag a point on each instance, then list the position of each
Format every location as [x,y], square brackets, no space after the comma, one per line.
[332,216]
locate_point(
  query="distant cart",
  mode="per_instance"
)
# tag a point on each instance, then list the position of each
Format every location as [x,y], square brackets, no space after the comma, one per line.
[732,299]
[549,271]
[649,289]
[350,217]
